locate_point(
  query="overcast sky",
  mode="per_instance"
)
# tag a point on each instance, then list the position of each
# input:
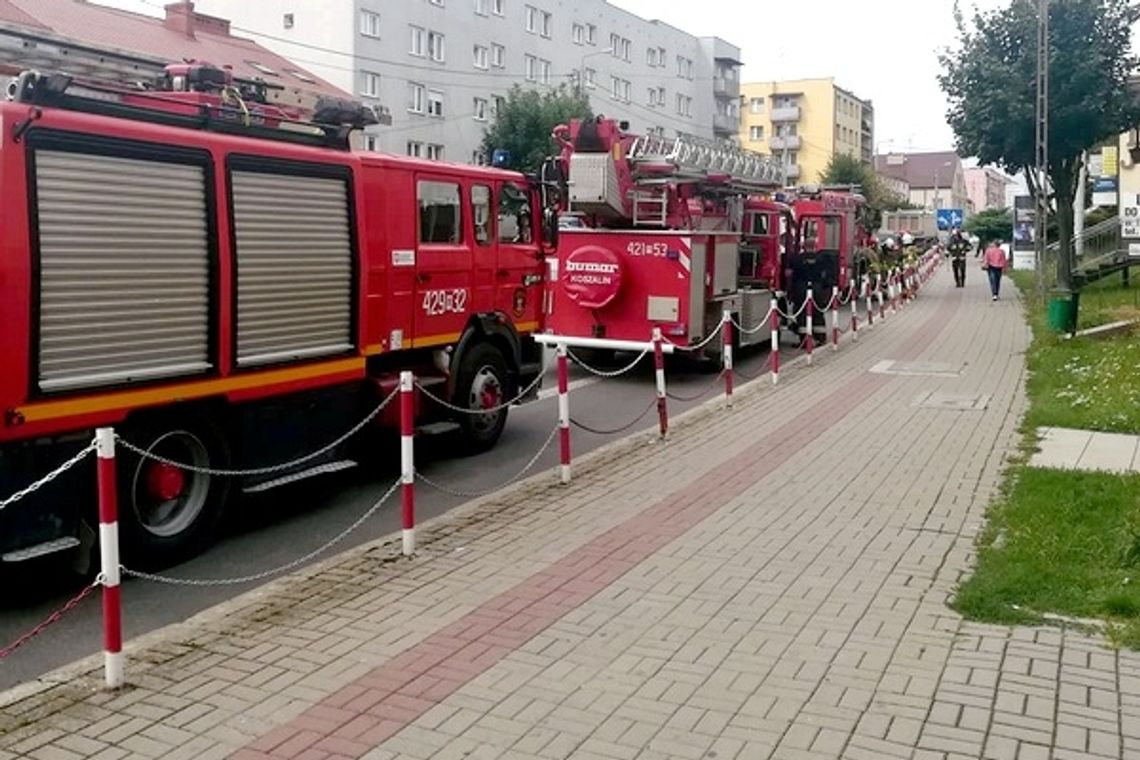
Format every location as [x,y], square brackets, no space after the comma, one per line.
[882,50]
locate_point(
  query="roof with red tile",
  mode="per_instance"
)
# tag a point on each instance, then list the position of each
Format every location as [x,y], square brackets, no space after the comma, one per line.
[97,26]
[918,169]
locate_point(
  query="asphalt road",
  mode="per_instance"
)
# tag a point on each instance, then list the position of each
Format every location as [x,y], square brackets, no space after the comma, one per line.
[282,525]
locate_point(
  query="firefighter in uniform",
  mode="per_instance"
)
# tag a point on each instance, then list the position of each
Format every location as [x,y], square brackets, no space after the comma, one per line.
[958,248]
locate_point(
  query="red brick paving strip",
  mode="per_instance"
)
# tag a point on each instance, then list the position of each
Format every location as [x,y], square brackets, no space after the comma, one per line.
[359,717]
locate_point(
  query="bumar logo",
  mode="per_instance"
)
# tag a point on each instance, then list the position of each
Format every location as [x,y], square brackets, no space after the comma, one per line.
[591,276]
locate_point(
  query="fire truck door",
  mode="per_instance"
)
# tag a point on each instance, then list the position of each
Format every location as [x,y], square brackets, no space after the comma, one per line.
[444,263]
[518,275]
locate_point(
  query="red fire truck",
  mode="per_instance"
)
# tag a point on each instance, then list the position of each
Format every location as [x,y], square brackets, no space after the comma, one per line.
[231,287]
[659,241]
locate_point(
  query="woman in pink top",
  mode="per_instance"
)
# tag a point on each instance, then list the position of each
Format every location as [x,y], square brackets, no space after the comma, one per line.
[994,263]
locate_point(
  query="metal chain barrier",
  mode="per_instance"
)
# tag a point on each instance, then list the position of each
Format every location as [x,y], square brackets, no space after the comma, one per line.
[702,344]
[37,485]
[614,431]
[141,452]
[761,325]
[605,373]
[711,386]
[484,492]
[796,315]
[267,573]
[53,618]
[489,410]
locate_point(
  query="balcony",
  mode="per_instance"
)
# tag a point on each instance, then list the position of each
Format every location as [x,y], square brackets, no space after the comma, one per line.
[785,142]
[723,123]
[726,87]
[785,114]
[792,171]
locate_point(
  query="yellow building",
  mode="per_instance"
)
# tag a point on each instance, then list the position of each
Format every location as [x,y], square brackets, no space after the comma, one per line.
[804,122]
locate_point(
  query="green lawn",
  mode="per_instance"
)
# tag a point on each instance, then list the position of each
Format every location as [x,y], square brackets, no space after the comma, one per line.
[1064,542]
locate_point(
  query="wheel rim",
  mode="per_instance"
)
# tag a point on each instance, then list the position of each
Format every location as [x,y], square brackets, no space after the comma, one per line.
[486,393]
[168,499]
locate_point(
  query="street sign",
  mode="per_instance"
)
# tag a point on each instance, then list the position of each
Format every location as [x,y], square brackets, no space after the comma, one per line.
[949,218]
[1130,217]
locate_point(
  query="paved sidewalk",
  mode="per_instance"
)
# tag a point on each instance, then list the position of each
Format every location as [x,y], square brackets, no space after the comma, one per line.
[771,582]
[1067,449]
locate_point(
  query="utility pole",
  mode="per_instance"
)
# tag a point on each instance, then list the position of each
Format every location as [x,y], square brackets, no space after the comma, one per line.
[1079,209]
[1042,147]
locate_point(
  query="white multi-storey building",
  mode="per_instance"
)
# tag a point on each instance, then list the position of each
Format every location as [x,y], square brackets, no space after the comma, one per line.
[440,67]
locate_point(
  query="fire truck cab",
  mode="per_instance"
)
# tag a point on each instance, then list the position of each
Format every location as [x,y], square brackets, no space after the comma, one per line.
[660,243]
[231,287]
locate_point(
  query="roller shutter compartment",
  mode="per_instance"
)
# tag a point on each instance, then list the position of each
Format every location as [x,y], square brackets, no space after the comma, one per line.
[124,270]
[294,267]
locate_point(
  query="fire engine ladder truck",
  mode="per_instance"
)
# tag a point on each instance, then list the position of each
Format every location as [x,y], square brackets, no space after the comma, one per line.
[659,161]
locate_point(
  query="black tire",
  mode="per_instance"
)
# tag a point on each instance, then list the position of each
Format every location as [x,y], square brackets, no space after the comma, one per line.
[481,382]
[167,514]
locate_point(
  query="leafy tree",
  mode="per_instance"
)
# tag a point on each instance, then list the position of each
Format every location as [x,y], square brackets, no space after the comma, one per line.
[845,169]
[990,83]
[525,121]
[991,224]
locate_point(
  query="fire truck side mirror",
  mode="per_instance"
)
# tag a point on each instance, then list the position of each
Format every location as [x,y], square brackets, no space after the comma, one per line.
[550,228]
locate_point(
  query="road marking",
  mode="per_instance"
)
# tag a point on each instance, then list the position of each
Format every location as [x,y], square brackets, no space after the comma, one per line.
[583,382]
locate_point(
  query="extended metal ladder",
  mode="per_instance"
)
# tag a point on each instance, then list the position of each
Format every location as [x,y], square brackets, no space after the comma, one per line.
[694,159]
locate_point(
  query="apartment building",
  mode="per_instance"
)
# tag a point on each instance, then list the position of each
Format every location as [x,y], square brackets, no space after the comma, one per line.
[804,122]
[936,180]
[442,66]
[985,187]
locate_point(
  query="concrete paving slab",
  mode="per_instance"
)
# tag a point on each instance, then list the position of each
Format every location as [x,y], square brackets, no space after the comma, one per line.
[1109,452]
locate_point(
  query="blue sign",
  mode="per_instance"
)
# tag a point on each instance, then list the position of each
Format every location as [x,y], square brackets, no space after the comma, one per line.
[950,218]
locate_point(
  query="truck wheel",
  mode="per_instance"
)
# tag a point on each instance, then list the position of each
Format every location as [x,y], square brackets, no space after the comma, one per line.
[481,383]
[169,513]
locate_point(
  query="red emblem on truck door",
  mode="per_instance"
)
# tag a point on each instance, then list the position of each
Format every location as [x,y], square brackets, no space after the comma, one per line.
[591,276]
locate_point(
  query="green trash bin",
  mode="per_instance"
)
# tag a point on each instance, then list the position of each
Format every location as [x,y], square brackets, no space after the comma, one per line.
[1063,311]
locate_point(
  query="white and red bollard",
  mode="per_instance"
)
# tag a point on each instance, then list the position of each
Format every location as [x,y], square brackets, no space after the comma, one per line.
[870,302]
[408,462]
[834,317]
[854,312]
[564,411]
[879,296]
[809,342]
[726,338]
[109,558]
[774,357]
[659,371]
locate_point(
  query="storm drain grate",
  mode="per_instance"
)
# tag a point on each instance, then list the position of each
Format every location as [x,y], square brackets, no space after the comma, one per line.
[917,369]
[954,402]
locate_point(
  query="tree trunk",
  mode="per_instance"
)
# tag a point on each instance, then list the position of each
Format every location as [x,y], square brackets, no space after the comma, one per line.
[1063,192]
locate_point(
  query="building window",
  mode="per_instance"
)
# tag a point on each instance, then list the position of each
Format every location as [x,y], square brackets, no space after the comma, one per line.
[591,78]
[435,152]
[620,89]
[417,96]
[371,143]
[477,158]
[537,21]
[481,7]
[417,48]
[370,24]
[615,88]
[578,34]
[498,103]
[591,34]
[531,68]
[756,134]
[684,105]
[545,71]
[498,55]
[415,149]
[481,56]
[370,84]
[651,57]
[684,67]
[497,7]
[287,21]
[435,46]
[434,103]
[439,209]
[652,96]
[657,96]
[756,105]
[480,109]
[620,47]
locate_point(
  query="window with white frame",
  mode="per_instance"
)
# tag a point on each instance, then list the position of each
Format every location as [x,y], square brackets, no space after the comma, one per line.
[578,34]
[684,67]
[591,34]
[498,55]
[417,44]
[531,14]
[370,84]
[756,134]
[652,96]
[435,46]
[684,105]
[756,105]
[369,24]
[415,148]
[546,24]
[591,78]
[417,97]
[435,152]
[620,47]
[620,89]
[651,57]
[481,57]
[661,57]
[481,7]
[498,7]
[434,103]
[661,96]
[498,103]
[478,158]
[544,71]
[615,88]
[479,109]
[531,68]
[371,143]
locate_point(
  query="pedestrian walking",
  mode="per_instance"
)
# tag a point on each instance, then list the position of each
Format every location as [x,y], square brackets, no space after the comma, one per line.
[995,262]
[958,247]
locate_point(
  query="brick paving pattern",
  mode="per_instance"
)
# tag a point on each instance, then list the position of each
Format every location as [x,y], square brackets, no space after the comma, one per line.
[770,582]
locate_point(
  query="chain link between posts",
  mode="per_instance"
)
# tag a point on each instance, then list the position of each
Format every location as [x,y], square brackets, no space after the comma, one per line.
[201,582]
[614,431]
[762,324]
[53,618]
[57,472]
[487,491]
[605,373]
[489,410]
[269,470]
